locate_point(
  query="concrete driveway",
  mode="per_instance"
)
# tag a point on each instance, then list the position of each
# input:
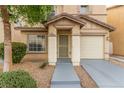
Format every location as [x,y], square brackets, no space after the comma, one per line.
[105,74]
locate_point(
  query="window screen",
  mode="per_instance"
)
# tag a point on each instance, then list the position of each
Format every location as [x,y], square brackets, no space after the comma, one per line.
[37,43]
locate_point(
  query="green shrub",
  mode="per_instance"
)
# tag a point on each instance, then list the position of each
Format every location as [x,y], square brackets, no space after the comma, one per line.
[18,51]
[17,79]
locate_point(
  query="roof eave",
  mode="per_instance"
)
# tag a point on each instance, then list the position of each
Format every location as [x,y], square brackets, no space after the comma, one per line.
[107,26]
[114,6]
[64,15]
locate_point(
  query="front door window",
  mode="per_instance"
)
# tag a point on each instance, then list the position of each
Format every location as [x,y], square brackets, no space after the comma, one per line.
[63,46]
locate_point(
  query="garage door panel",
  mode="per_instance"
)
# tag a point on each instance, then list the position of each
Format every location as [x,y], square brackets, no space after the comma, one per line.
[92,47]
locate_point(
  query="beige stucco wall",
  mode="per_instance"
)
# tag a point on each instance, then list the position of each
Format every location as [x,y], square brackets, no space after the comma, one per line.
[64,24]
[92,26]
[72,9]
[98,9]
[18,36]
[115,17]
[98,12]
[75,9]
[95,11]
[35,57]
[99,17]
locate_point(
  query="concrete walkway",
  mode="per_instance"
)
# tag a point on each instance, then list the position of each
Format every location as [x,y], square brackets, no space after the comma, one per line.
[105,74]
[64,75]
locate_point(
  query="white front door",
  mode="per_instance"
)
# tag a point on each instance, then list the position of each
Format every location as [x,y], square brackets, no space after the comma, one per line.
[92,47]
[63,46]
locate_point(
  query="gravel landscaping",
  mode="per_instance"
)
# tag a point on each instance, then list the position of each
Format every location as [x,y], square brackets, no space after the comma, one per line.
[86,80]
[42,76]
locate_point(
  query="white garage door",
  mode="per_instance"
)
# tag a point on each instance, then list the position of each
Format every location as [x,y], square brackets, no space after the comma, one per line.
[92,47]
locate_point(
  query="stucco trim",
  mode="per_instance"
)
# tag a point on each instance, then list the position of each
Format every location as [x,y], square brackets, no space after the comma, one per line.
[105,25]
[25,29]
[64,27]
[114,6]
[52,35]
[31,52]
[93,33]
[67,16]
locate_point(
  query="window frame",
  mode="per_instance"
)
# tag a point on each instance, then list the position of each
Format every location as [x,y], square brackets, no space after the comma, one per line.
[45,51]
[86,11]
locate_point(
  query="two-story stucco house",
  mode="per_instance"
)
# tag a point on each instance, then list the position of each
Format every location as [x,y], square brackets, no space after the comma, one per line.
[75,32]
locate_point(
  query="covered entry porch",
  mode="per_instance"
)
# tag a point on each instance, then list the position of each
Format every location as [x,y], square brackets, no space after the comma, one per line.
[64,38]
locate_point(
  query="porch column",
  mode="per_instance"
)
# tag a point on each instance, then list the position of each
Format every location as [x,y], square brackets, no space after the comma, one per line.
[76,45]
[52,45]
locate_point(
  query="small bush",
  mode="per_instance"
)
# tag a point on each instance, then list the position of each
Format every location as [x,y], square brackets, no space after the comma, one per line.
[18,51]
[44,64]
[17,79]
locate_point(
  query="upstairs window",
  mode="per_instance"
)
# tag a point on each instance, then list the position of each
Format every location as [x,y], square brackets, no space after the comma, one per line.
[84,9]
